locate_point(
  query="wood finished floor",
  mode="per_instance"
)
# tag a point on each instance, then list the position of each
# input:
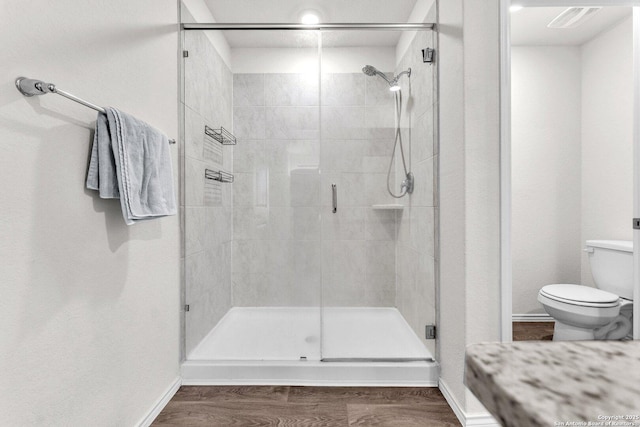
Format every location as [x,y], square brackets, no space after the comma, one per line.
[250,406]
[533,331]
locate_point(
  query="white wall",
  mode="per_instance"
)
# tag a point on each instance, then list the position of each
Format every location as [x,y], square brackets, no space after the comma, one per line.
[89,306]
[607,140]
[482,175]
[546,164]
[469,287]
[451,284]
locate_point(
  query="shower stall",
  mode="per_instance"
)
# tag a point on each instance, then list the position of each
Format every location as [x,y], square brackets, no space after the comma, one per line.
[308,205]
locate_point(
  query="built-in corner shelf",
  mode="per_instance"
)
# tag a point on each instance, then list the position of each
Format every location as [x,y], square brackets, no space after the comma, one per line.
[221,135]
[389,206]
[218,176]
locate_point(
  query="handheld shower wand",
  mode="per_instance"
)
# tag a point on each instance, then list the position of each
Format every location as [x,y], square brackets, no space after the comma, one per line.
[394,86]
[371,71]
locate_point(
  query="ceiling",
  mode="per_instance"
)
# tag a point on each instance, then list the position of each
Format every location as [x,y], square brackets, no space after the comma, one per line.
[329,11]
[529,26]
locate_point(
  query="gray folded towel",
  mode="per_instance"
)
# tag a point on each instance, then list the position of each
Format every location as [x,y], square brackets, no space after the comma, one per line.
[130,160]
[102,167]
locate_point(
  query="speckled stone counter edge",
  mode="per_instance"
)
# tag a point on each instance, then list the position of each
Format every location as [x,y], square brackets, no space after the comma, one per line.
[540,383]
[498,403]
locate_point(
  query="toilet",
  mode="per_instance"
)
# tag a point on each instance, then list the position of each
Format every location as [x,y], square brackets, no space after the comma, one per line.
[602,313]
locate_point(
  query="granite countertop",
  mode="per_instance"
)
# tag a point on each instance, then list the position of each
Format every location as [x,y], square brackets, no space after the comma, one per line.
[560,383]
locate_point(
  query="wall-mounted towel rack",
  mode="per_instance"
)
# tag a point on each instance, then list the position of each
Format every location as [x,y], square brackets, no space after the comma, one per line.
[221,135]
[31,87]
[218,175]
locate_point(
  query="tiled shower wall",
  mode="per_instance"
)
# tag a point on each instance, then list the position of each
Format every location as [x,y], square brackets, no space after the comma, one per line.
[207,204]
[284,229]
[416,250]
[276,247]
[359,242]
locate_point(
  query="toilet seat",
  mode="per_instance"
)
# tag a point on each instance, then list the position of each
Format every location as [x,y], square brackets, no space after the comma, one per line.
[579,295]
[578,310]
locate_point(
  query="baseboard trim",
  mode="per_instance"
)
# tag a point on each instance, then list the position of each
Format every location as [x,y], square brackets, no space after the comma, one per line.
[310,373]
[467,420]
[457,409]
[542,317]
[161,403]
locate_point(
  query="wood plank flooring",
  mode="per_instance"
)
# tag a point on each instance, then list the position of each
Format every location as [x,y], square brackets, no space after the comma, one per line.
[249,406]
[533,331]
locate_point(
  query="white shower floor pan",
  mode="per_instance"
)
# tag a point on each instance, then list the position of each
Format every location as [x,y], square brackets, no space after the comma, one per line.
[281,345]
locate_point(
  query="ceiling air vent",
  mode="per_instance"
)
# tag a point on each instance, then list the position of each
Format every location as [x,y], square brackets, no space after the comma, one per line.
[573,17]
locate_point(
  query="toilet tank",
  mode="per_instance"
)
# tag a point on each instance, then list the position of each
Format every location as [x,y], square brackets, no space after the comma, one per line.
[612,266]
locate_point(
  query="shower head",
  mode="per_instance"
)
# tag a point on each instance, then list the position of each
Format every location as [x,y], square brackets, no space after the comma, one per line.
[370,70]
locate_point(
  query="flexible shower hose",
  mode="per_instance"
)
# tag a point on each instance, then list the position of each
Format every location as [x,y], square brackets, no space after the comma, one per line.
[398,140]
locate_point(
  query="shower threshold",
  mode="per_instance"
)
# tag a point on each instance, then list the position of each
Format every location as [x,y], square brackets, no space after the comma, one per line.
[281,345]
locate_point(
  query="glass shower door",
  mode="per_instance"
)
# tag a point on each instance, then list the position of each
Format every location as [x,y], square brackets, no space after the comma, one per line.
[378,279]
[253,270]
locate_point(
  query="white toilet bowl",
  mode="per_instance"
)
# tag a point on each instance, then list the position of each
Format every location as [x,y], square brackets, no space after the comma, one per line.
[584,313]
[602,313]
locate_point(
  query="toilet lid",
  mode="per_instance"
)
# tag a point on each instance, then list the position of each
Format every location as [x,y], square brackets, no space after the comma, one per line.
[580,295]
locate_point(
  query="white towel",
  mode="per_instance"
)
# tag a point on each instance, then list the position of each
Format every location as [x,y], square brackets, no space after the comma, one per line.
[130,160]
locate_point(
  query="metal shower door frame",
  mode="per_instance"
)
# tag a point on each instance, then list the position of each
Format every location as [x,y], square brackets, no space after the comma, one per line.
[320,28]
[316,27]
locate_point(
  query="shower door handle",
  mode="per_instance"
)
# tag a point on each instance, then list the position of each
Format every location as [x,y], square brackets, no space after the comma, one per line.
[334,193]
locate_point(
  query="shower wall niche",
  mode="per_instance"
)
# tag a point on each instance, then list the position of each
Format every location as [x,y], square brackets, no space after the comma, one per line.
[271,272]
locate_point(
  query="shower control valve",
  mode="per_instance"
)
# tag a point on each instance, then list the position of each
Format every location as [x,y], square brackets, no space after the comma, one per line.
[407,184]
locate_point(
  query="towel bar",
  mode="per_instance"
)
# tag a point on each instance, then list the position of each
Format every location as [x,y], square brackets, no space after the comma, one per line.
[31,87]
